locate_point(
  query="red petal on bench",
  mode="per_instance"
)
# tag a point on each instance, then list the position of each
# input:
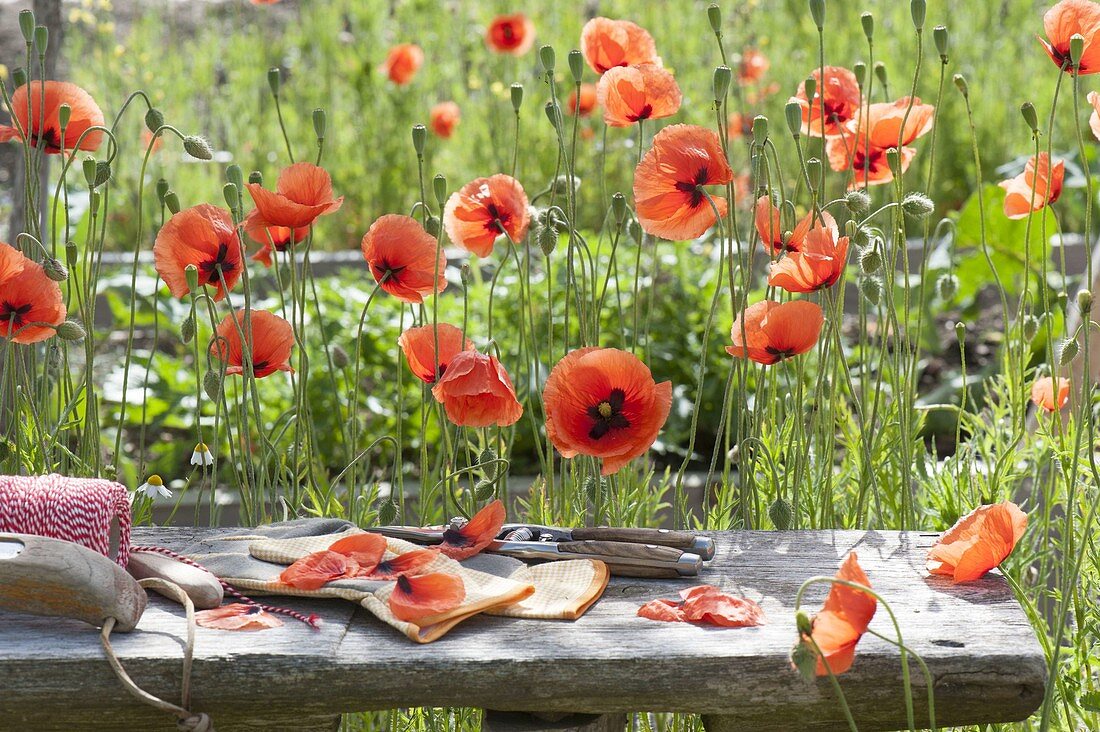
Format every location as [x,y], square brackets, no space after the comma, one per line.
[316,570]
[666,610]
[708,604]
[366,549]
[407,563]
[978,542]
[237,616]
[415,599]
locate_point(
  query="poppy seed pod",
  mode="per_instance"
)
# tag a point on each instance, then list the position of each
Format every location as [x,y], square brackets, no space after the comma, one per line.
[191,273]
[256,177]
[71,330]
[793,112]
[1084,301]
[232,196]
[803,623]
[320,122]
[880,73]
[893,159]
[273,80]
[960,332]
[172,202]
[71,253]
[154,119]
[439,187]
[547,58]
[961,85]
[722,77]
[618,207]
[810,85]
[19,76]
[1027,109]
[868,22]
[517,96]
[26,25]
[860,70]
[212,385]
[419,136]
[197,147]
[553,113]
[187,329]
[714,15]
[64,114]
[813,170]
[939,35]
[918,9]
[1068,351]
[465,274]
[41,39]
[162,188]
[1076,48]
[87,165]
[54,269]
[576,65]
[759,130]
[817,12]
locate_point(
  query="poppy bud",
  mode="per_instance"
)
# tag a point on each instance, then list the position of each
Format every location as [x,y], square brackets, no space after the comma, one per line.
[172,202]
[1084,301]
[465,274]
[857,201]
[26,24]
[71,253]
[187,329]
[339,357]
[562,185]
[813,170]
[868,22]
[191,272]
[387,512]
[93,202]
[817,12]
[870,261]
[273,80]
[893,159]
[635,230]
[939,35]
[64,114]
[212,385]
[54,269]
[256,177]
[1030,328]
[781,514]
[618,207]
[41,39]
[871,289]
[232,196]
[793,111]
[320,122]
[722,78]
[88,166]
[517,96]
[553,113]
[947,285]
[71,330]
[1027,109]
[484,490]
[810,86]
[714,15]
[759,129]
[548,239]
[162,188]
[432,226]
[1076,48]
[53,358]
[1068,351]
[439,187]
[960,83]
[860,70]
[591,488]
[576,65]
[917,205]
[197,147]
[880,73]
[918,9]
[547,58]
[487,461]
[154,119]
[960,332]
[803,623]
[804,660]
[420,135]
[19,76]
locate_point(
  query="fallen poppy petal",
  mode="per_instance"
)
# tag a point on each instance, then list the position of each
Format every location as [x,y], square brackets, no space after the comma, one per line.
[366,549]
[668,611]
[478,533]
[318,569]
[237,616]
[407,563]
[711,605]
[422,599]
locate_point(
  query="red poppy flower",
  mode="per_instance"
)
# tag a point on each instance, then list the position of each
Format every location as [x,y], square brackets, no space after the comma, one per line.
[443,119]
[978,542]
[668,182]
[1038,186]
[413,264]
[774,331]
[427,598]
[864,146]
[603,402]
[365,548]
[817,264]
[272,340]
[44,122]
[1094,118]
[843,620]
[587,99]
[841,100]
[608,43]
[753,66]
[302,193]
[476,392]
[27,295]
[314,571]
[418,345]
[408,563]
[514,34]
[204,236]
[476,534]
[1062,22]
[237,616]
[705,604]
[402,62]
[273,238]
[632,93]
[485,208]
[770,229]
[1044,395]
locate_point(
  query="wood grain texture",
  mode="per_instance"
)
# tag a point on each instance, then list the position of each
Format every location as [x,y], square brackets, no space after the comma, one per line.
[985,660]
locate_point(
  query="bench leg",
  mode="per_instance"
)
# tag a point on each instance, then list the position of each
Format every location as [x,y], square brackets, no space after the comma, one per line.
[729,723]
[494,721]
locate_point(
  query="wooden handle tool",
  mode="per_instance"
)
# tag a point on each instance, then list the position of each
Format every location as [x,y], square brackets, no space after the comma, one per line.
[203,588]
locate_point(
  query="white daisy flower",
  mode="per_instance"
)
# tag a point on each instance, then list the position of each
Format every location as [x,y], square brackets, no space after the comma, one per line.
[154,487]
[202,455]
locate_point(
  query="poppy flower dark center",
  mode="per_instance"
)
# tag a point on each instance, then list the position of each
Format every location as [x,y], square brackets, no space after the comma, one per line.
[509,33]
[607,414]
[498,220]
[780,354]
[210,269]
[455,537]
[49,138]
[404,584]
[258,366]
[693,186]
[389,271]
[12,313]
[643,113]
[253,610]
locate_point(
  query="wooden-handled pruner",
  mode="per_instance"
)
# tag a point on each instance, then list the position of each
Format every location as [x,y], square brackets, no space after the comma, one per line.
[58,578]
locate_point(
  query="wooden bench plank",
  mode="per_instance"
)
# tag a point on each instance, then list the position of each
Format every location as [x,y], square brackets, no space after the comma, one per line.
[980,648]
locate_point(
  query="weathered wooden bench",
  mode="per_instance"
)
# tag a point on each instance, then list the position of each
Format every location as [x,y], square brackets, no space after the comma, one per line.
[982,653]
